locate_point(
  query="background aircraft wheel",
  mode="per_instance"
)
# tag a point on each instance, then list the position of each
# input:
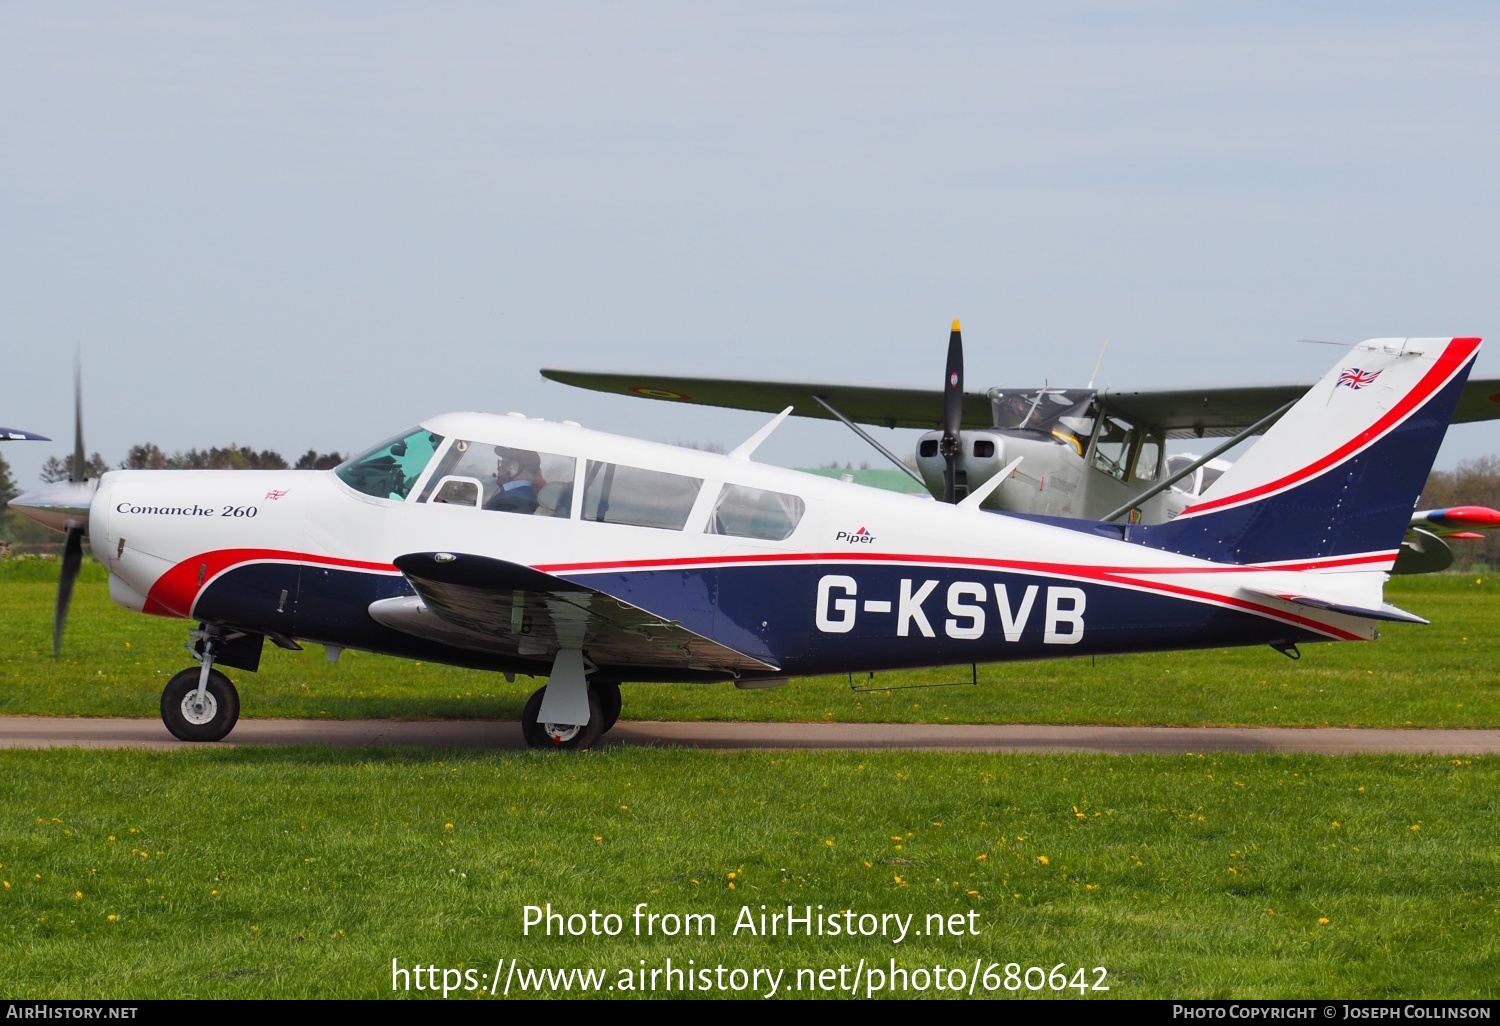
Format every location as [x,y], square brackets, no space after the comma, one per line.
[214,720]
[560,735]
[609,702]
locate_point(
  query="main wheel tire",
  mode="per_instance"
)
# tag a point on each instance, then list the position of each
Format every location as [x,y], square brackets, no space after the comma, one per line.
[610,702]
[214,720]
[567,736]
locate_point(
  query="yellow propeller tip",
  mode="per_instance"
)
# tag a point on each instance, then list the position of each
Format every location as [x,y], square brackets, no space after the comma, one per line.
[955,325]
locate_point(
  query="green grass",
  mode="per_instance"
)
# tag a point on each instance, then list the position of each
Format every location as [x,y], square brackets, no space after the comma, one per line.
[303,872]
[1443,675]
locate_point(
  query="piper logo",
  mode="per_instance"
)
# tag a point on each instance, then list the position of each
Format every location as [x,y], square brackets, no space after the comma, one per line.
[860,537]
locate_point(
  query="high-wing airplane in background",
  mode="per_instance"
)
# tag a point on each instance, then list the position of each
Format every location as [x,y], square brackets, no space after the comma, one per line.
[523,546]
[17,435]
[1094,454]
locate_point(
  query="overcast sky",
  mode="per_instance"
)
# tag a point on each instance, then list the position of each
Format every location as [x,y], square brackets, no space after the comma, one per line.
[310,225]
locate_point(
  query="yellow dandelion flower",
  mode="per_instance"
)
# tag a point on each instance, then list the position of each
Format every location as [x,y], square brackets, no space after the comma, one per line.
[6,883]
[981,858]
[867,866]
[77,894]
[1361,790]
[1335,824]
[1043,860]
[895,837]
[693,882]
[828,844]
[597,838]
[1270,911]
[1091,887]
[1323,921]
[111,837]
[731,874]
[731,885]
[624,808]
[213,893]
[255,929]
[972,894]
[898,847]
[1236,872]
[111,919]
[446,826]
[1416,826]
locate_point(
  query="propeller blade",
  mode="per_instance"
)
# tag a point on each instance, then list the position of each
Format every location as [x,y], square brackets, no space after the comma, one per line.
[71,561]
[953,412]
[80,470]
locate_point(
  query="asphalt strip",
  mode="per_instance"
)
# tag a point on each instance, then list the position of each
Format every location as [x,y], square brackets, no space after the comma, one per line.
[65,732]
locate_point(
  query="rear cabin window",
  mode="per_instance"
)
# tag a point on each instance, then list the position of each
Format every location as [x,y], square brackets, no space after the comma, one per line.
[389,470]
[743,512]
[616,494]
[503,479]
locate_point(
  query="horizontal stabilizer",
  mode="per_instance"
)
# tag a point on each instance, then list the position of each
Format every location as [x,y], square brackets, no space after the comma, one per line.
[1385,611]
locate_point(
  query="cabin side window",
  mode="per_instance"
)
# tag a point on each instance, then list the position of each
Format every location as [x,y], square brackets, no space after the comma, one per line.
[617,494]
[743,512]
[503,479]
[389,470]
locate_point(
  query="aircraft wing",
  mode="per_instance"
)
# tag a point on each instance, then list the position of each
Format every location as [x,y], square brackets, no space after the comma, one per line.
[865,404]
[1178,412]
[493,606]
[17,435]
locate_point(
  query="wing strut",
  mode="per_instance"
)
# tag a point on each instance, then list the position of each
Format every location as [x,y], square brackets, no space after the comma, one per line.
[861,432]
[1162,486]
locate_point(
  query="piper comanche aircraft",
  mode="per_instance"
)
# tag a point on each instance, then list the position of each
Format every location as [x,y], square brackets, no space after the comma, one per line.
[523,546]
[1095,454]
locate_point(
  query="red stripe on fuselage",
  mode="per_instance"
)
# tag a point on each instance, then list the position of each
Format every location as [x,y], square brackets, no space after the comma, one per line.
[175,591]
[1455,355]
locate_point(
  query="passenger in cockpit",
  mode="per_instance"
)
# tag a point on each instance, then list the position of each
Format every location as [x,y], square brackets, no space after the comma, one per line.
[518,473]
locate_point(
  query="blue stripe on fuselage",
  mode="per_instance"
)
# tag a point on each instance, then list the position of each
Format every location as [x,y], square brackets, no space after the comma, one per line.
[771,612]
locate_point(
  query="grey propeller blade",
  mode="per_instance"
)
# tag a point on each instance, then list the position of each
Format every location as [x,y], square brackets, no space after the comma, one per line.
[71,561]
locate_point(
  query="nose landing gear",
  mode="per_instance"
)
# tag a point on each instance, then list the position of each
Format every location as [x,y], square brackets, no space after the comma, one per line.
[200,703]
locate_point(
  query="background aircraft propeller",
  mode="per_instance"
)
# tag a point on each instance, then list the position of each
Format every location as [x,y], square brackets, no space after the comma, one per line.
[953,412]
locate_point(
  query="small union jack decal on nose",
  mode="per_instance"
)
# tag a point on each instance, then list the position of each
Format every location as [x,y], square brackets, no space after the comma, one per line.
[1356,378]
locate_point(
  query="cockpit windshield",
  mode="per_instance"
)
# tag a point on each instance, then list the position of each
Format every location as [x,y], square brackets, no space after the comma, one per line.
[1065,414]
[389,470]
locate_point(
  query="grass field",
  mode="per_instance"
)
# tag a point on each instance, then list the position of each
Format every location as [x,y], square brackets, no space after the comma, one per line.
[303,872]
[1444,675]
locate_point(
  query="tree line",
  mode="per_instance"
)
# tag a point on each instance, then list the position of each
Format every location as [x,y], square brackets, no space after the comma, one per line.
[150,456]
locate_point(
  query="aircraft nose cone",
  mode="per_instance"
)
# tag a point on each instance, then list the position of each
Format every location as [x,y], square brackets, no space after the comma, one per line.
[59,504]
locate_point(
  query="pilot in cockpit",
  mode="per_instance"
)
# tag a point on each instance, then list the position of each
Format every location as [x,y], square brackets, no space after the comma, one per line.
[518,473]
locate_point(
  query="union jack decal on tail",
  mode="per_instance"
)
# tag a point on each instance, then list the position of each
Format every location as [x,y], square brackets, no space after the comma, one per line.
[1356,378]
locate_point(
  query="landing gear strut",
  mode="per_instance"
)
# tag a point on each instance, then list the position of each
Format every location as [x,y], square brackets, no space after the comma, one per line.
[200,703]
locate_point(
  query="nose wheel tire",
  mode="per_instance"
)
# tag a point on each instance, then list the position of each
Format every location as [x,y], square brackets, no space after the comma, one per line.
[561,735]
[189,720]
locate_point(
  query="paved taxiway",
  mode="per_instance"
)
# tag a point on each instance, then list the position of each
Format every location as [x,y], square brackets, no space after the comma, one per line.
[54,732]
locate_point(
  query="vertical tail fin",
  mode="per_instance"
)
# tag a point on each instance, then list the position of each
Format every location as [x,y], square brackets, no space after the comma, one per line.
[1335,480]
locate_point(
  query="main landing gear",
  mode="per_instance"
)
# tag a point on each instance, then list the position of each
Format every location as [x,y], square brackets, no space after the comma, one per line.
[200,703]
[570,711]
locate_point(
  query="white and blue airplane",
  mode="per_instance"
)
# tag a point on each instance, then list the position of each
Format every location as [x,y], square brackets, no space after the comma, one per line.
[527,547]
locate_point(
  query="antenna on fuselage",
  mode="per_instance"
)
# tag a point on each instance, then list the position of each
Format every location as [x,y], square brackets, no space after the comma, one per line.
[749,445]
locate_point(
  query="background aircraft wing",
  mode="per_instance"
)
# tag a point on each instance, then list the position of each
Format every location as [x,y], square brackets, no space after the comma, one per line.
[1178,412]
[17,435]
[865,404]
[1221,411]
[489,605]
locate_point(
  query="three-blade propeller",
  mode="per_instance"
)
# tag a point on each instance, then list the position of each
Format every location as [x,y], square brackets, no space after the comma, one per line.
[953,413]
